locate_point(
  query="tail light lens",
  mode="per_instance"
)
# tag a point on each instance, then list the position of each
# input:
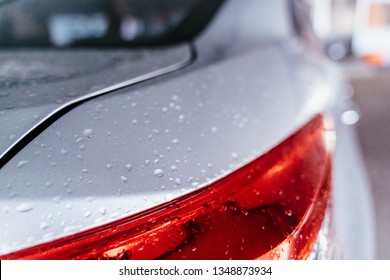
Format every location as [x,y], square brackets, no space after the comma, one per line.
[271,208]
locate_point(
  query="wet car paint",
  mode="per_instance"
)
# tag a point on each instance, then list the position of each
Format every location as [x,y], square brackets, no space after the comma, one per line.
[158,140]
[38,85]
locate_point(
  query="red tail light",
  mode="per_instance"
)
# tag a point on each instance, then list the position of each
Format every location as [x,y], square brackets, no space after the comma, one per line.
[271,208]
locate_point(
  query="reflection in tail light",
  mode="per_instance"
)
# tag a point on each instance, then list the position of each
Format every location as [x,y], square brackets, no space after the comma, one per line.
[271,208]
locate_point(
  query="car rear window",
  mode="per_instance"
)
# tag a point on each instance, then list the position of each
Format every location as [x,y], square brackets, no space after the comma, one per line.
[105,23]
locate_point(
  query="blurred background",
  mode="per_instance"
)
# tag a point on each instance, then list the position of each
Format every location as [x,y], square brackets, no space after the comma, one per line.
[356,35]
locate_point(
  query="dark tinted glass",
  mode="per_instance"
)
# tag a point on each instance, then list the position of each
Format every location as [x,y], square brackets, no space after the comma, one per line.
[64,23]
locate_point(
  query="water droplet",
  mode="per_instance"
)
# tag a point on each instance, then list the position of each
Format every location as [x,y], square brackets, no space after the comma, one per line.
[99,108]
[214,129]
[89,199]
[124,179]
[70,229]
[13,194]
[87,214]
[288,212]
[129,167]
[158,173]
[44,225]
[115,215]
[244,212]
[88,132]
[234,156]
[49,184]
[173,168]
[24,207]
[103,210]
[99,220]
[48,236]
[64,152]
[22,163]
[175,141]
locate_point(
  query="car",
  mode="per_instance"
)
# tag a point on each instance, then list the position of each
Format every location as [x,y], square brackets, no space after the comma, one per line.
[176,130]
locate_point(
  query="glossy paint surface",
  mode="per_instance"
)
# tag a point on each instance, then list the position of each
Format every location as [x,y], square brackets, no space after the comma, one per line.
[38,84]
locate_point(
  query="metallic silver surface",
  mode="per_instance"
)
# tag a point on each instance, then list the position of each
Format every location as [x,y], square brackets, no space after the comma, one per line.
[35,85]
[354,216]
